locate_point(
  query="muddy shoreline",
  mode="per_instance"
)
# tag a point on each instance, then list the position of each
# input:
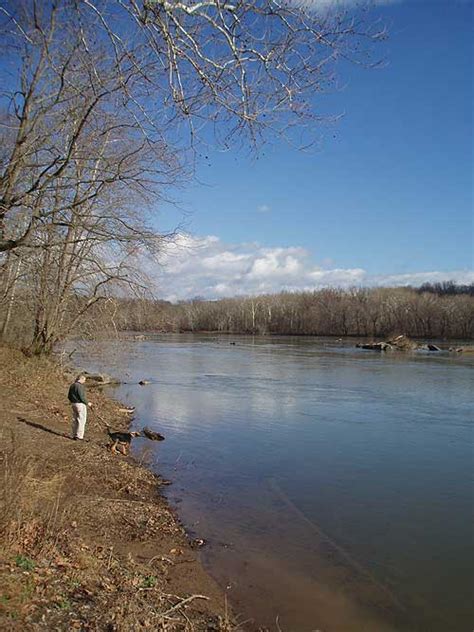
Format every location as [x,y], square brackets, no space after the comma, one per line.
[88,540]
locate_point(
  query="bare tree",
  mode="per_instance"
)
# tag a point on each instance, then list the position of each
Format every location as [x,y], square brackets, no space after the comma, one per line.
[10,276]
[92,249]
[147,67]
[67,133]
[101,101]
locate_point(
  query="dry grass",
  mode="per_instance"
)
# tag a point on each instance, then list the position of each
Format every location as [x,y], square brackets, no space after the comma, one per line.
[33,507]
[87,543]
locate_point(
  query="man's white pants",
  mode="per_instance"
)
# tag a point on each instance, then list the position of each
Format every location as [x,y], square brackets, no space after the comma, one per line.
[79,418]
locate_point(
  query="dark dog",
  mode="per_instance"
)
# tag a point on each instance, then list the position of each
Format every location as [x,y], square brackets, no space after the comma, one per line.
[122,440]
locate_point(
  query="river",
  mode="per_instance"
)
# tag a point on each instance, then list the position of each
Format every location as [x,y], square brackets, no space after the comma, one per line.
[333,485]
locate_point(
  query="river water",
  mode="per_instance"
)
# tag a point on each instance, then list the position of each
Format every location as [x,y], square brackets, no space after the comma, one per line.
[333,485]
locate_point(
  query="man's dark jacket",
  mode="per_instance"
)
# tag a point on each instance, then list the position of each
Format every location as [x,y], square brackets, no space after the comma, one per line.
[77,394]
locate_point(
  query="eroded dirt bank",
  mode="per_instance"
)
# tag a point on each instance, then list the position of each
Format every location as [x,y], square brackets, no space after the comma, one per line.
[88,542]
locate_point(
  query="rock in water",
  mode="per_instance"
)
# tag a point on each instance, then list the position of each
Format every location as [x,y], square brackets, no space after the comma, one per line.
[151,434]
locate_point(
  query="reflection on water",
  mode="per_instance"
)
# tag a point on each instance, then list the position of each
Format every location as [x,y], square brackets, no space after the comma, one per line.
[334,485]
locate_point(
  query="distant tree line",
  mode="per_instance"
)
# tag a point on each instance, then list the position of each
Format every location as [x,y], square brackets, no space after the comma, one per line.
[446,288]
[363,312]
[370,313]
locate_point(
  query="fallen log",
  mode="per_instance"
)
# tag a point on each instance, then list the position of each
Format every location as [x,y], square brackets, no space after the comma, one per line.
[99,379]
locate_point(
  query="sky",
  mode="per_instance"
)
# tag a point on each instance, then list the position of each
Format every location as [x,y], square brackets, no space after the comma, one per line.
[385,199]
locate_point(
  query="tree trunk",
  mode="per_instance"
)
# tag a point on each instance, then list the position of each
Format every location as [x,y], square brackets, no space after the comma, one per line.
[10,300]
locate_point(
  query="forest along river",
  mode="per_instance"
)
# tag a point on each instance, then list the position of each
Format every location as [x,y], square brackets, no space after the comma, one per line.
[333,485]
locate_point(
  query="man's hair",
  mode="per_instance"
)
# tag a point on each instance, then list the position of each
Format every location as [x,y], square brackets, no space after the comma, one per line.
[79,377]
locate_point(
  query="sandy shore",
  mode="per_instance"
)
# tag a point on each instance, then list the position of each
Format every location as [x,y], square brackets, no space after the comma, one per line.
[88,542]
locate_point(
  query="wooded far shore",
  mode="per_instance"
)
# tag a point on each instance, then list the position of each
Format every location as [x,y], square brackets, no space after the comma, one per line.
[439,311]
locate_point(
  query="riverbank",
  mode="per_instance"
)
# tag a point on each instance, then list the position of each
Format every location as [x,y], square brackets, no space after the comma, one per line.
[88,542]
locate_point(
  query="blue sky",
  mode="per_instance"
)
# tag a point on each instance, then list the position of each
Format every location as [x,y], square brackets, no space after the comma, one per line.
[387,194]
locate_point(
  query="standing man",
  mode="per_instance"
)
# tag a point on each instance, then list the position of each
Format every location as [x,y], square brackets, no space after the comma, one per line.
[78,399]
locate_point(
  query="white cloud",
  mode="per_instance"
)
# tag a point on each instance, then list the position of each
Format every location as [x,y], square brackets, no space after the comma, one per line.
[209,268]
[263,208]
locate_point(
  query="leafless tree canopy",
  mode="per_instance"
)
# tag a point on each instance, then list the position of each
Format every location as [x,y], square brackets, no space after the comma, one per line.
[68,139]
[96,92]
[100,104]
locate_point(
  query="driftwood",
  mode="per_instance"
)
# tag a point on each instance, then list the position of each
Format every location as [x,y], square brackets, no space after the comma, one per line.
[375,346]
[403,343]
[182,603]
